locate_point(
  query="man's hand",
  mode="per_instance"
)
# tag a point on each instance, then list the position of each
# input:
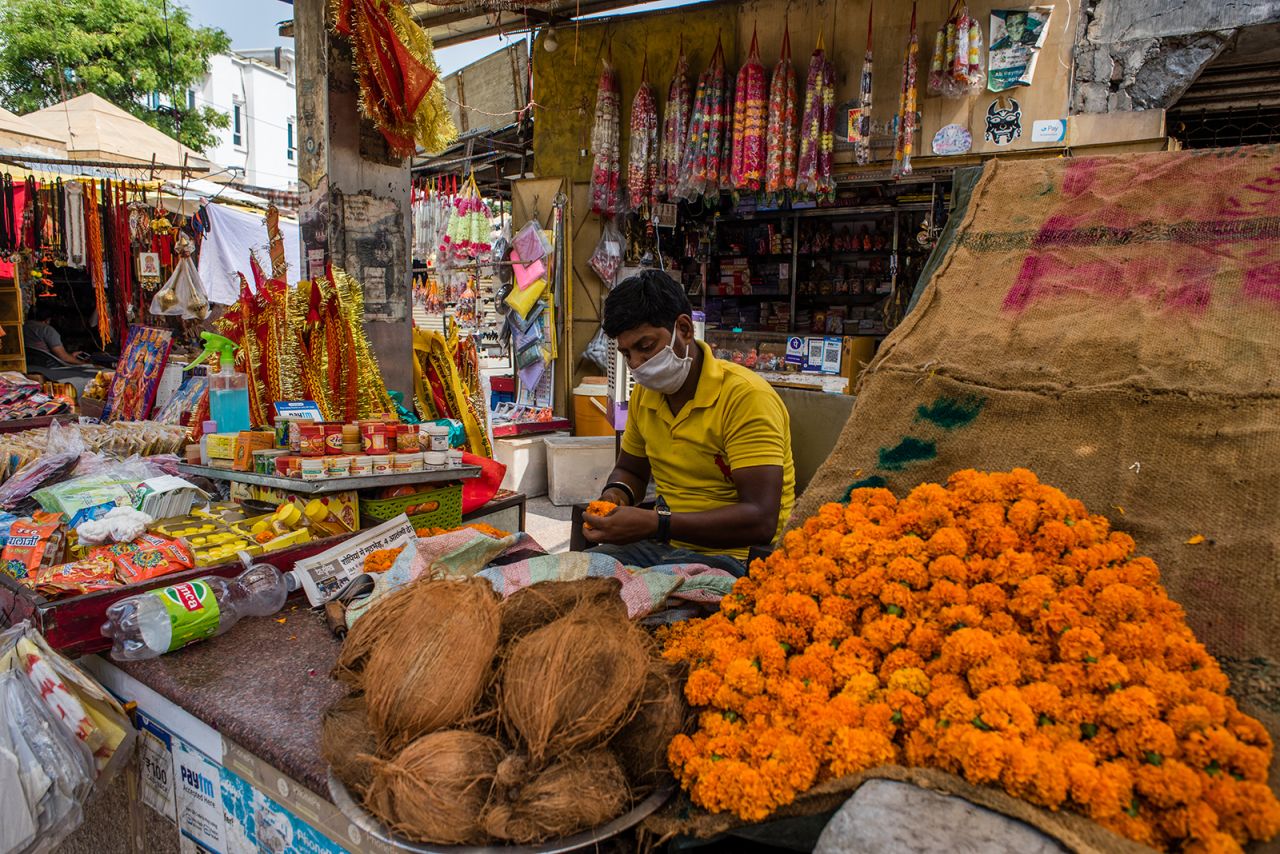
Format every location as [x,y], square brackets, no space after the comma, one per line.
[622,526]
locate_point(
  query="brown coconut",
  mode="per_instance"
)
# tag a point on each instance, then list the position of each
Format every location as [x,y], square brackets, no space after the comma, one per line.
[572,683]
[579,792]
[436,789]
[375,623]
[432,665]
[661,714]
[348,744]
[534,606]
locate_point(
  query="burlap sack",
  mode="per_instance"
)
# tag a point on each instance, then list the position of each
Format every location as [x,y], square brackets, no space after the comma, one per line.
[1112,324]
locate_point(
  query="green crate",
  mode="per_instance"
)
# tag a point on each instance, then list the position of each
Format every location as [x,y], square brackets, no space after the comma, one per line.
[447,515]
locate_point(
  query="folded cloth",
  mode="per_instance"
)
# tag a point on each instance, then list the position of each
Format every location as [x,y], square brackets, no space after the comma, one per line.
[644,590]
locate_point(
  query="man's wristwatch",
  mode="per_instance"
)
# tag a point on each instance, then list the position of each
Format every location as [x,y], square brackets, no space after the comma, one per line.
[664,520]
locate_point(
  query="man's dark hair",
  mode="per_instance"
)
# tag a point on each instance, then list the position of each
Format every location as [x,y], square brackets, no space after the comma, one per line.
[649,297]
[41,310]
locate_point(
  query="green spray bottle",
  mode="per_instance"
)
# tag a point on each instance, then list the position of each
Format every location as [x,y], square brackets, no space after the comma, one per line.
[228,388]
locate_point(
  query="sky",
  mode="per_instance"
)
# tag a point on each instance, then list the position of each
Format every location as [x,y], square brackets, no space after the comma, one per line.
[252,24]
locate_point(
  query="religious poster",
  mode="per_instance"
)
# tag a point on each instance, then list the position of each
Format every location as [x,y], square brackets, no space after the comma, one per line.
[1016,38]
[374,253]
[138,372]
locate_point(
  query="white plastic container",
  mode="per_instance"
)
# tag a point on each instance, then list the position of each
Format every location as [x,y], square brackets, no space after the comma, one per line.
[578,467]
[526,460]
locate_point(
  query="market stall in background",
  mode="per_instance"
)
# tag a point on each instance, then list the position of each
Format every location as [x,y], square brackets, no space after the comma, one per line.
[282,538]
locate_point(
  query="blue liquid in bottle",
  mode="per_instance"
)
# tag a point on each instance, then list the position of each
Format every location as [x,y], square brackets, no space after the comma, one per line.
[230,408]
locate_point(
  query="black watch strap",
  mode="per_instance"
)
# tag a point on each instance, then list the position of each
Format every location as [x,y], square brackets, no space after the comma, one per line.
[664,520]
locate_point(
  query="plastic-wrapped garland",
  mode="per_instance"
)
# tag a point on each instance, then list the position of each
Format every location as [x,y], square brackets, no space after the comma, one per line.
[817,130]
[956,69]
[780,169]
[862,147]
[750,110]
[907,115]
[606,177]
[700,174]
[675,129]
[642,166]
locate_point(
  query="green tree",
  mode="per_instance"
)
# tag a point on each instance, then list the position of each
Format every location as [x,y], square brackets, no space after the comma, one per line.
[122,50]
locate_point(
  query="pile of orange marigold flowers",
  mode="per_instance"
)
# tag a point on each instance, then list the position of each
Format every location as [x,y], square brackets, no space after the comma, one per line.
[992,629]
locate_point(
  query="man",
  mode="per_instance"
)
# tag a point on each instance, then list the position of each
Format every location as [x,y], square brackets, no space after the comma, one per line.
[713,436]
[37,334]
[1019,30]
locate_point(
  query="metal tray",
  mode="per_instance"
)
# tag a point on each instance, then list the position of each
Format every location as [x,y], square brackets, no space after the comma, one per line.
[352,810]
[332,484]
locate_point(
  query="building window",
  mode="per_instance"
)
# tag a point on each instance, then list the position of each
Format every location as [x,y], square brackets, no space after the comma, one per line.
[292,150]
[237,135]
[155,100]
[191,99]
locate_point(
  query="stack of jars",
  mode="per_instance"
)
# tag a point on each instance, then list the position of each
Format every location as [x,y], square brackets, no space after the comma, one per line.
[371,447]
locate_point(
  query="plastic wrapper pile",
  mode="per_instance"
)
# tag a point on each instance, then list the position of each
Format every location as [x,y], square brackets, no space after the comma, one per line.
[61,735]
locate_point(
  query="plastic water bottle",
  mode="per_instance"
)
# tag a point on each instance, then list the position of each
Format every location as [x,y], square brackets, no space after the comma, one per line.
[169,618]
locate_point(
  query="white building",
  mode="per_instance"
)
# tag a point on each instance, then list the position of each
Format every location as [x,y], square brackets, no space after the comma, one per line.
[256,90]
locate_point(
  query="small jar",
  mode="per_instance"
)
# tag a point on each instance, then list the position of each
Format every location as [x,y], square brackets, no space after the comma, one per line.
[407,438]
[438,437]
[339,466]
[333,438]
[454,456]
[351,434]
[313,468]
[295,437]
[361,466]
[282,433]
[402,463]
[373,437]
[352,449]
[312,436]
[381,464]
[415,460]
[434,460]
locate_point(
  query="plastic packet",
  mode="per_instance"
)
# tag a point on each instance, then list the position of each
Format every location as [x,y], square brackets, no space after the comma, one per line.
[33,544]
[183,295]
[606,260]
[74,579]
[63,447]
[146,558]
[597,349]
[110,485]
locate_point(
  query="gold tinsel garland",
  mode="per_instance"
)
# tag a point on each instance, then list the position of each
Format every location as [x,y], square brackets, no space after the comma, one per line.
[429,123]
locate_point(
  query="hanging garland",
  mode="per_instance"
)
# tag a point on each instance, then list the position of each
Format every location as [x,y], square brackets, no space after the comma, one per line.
[750,108]
[606,177]
[907,116]
[862,147]
[398,79]
[675,129]
[93,232]
[780,169]
[642,166]
[703,159]
[817,137]
[469,230]
[957,69]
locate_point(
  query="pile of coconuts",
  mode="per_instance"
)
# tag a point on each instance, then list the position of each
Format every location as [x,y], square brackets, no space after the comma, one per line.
[471,720]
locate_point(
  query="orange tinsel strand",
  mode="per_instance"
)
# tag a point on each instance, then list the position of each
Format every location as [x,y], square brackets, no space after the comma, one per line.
[93,246]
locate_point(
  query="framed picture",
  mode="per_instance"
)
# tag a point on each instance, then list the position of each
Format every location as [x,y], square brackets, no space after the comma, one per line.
[149,265]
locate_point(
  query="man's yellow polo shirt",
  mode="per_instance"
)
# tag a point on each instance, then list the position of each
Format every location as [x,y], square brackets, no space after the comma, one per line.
[735,420]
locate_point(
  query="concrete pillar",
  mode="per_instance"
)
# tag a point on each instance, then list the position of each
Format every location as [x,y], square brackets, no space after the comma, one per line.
[355,193]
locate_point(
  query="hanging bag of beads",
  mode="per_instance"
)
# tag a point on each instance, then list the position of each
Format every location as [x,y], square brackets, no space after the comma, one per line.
[675,128]
[606,177]
[606,260]
[957,67]
[750,108]
[642,164]
[780,168]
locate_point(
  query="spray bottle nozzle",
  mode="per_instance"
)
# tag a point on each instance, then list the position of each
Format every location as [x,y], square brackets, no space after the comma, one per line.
[214,343]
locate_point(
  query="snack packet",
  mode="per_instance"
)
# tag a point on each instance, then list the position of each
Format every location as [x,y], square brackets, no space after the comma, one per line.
[84,576]
[33,544]
[146,558]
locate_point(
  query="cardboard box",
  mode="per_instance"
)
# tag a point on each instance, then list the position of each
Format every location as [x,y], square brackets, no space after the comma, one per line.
[221,446]
[248,442]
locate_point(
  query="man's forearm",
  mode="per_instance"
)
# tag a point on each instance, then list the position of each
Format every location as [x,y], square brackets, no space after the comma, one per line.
[733,526]
[631,479]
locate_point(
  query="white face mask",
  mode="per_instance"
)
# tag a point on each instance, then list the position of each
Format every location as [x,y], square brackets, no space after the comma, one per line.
[664,371]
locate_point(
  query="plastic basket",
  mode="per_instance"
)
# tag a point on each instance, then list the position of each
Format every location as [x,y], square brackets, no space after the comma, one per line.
[447,513]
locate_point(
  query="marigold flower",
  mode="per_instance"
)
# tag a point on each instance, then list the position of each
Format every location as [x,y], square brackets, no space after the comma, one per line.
[991,628]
